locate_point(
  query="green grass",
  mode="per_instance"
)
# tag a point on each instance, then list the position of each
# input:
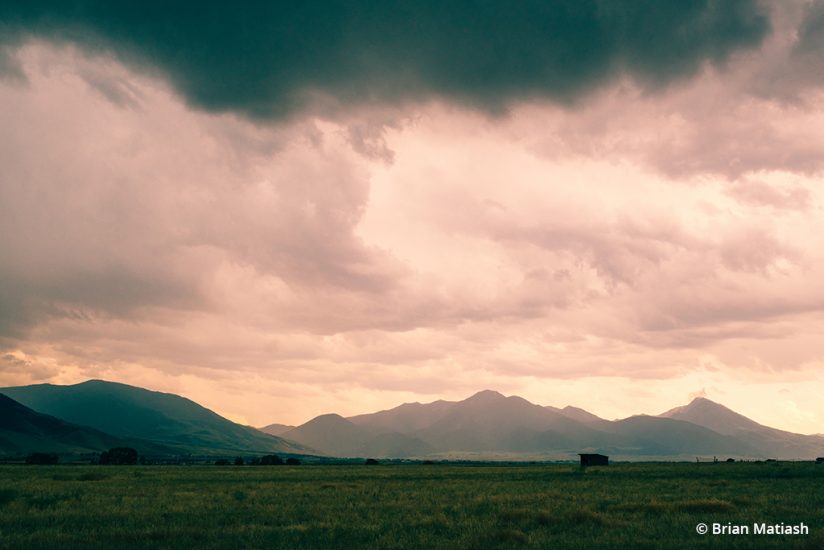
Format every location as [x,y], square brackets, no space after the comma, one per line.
[406,506]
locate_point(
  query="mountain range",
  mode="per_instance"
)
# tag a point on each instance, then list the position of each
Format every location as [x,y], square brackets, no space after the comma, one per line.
[24,430]
[96,415]
[160,422]
[489,425]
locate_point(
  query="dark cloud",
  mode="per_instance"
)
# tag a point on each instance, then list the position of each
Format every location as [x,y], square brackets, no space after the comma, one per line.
[117,90]
[791,66]
[9,69]
[266,59]
[810,36]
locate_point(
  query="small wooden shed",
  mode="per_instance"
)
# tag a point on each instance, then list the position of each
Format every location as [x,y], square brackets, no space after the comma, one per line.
[594,460]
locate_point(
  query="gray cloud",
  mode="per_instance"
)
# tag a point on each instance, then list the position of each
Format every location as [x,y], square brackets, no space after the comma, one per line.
[116,89]
[802,67]
[107,211]
[759,193]
[10,70]
[23,371]
[266,59]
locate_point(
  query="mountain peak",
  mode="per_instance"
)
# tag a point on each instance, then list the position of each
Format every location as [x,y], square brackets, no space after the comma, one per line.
[700,400]
[486,396]
[329,417]
[698,404]
[708,413]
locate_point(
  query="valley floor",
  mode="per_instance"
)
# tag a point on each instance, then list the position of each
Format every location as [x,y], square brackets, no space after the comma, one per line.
[409,506]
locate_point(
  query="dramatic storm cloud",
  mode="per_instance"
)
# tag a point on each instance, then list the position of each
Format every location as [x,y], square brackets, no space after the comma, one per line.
[285,210]
[266,58]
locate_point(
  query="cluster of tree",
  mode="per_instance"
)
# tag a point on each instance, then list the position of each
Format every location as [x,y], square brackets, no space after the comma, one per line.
[118,456]
[268,460]
[41,458]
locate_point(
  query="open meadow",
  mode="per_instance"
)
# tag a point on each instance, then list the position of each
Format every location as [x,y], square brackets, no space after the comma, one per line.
[408,506]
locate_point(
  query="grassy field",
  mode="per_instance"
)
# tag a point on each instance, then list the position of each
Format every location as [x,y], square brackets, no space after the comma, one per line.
[407,506]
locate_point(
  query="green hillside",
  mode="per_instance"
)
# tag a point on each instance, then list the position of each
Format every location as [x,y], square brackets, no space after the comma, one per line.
[128,411]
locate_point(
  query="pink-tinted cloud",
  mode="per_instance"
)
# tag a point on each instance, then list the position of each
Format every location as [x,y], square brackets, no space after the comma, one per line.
[759,193]
[352,262]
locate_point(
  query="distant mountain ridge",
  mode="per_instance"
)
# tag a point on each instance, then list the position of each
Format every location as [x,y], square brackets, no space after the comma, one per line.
[276,429]
[713,415]
[489,424]
[130,412]
[339,436]
[717,417]
[24,431]
[94,415]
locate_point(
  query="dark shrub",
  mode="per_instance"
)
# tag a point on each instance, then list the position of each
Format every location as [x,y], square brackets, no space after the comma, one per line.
[371,462]
[91,476]
[270,460]
[119,456]
[293,461]
[730,460]
[41,458]
[239,461]
[221,462]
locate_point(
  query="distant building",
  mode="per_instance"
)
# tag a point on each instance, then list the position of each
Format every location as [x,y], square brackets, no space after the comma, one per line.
[594,460]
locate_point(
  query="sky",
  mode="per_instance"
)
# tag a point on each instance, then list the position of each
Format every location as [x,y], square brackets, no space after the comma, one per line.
[282,211]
